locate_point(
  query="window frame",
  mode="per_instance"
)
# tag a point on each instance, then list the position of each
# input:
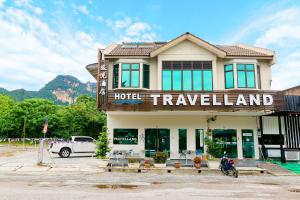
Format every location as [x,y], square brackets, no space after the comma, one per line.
[192,68]
[233,75]
[246,78]
[149,76]
[130,74]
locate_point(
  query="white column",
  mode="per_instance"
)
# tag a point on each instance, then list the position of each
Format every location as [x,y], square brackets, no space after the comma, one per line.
[174,143]
[235,75]
[255,75]
[215,74]
[141,75]
[159,73]
[239,144]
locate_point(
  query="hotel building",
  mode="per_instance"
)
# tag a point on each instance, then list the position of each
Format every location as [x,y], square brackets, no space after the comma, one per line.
[165,96]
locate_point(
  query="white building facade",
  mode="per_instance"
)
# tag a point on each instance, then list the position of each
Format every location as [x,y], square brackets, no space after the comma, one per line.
[166,96]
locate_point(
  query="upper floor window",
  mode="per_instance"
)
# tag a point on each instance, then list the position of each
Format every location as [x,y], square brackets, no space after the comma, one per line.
[130,75]
[246,76]
[187,76]
[229,77]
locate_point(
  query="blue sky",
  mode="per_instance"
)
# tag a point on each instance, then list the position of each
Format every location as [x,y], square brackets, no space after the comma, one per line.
[40,39]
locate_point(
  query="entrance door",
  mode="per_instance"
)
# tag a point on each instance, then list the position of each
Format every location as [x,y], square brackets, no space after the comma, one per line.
[157,140]
[248,144]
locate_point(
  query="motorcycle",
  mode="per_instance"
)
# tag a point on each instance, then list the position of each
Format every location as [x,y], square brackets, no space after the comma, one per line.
[227,166]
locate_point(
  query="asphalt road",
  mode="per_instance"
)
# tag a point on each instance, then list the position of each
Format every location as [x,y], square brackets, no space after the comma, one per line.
[90,184]
[145,186]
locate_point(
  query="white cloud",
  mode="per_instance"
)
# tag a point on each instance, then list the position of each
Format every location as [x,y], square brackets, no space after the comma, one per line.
[138,28]
[22,2]
[279,30]
[99,19]
[81,8]
[281,35]
[129,29]
[123,23]
[31,53]
[2,3]
[28,4]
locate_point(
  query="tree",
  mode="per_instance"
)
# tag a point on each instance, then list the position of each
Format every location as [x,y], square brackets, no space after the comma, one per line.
[6,103]
[80,118]
[102,143]
[34,111]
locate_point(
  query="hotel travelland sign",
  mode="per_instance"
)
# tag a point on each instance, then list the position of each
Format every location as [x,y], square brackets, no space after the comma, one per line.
[197,99]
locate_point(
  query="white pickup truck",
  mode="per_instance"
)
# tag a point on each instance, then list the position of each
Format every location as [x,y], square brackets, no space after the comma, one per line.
[76,144]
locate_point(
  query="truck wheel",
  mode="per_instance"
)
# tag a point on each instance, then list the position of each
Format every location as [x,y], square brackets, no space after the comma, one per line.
[65,152]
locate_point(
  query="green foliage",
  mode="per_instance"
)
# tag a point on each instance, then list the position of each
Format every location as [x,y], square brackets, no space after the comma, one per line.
[214,148]
[6,103]
[80,118]
[102,143]
[160,157]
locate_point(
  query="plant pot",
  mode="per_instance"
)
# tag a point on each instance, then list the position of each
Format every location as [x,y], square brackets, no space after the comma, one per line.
[160,165]
[197,165]
[177,165]
[133,165]
[147,165]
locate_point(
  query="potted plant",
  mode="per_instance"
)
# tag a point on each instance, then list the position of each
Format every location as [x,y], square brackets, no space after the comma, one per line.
[160,159]
[147,163]
[133,163]
[177,164]
[197,162]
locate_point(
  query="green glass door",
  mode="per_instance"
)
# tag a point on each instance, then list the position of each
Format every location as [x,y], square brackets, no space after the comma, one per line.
[157,140]
[248,144]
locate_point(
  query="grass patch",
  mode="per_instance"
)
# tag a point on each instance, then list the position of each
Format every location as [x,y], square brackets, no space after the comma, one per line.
[291,166]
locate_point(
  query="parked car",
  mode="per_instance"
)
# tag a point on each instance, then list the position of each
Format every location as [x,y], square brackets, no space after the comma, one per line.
[76,144]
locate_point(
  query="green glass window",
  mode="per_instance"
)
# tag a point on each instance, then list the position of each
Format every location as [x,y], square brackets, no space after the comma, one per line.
[197,77]
[182,139]
[246,76]
[125,78]
[115,76]
[229,78]
[250,79]
[125,136]
[146,76]
[130,75]
[177,80]
[167,79]
[187,80]
[227,139]
[207,80]
[187,75]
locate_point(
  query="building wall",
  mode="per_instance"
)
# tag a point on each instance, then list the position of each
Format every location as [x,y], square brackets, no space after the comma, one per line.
[174,122]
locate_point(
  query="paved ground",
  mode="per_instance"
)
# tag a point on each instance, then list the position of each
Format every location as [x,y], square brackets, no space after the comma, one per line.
[91,184]
[145,186]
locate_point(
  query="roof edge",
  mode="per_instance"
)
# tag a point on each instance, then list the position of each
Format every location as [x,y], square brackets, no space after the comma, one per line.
[192,38]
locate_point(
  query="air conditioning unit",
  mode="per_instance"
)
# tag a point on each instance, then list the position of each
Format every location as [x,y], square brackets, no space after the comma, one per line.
[292,155]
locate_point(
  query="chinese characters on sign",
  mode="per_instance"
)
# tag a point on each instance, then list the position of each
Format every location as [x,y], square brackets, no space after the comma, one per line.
[102,79]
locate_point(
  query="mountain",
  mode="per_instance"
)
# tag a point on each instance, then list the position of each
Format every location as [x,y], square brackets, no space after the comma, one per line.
[63,89]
